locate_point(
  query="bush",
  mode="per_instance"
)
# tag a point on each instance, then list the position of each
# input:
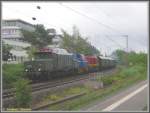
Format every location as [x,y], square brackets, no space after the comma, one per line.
[116,78]
[129,72]
[11,73]
[23,93]
[124,73]
[107,80]
[140,68]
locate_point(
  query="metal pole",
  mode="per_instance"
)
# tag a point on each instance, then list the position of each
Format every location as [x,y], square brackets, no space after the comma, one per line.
[126,50]
[127,42]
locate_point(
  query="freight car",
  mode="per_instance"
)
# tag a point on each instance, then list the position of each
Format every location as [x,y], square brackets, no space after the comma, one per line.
[106,62]
[48,65]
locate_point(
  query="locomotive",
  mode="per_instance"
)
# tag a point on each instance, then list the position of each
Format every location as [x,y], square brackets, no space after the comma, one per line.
[49,64]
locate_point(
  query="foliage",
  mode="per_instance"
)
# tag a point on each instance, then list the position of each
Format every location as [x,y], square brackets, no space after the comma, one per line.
[30,51]
[107,81]
[39,38]
[115,82]
[137,59]
[131,58]
[124,77]
[11,73]
[6,51]
[76,43]
[129,72]
[23,93]
[120,56]
[125,73]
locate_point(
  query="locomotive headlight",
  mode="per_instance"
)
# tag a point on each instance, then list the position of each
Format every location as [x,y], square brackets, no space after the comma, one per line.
[26,70]
[39,69]
[32,59]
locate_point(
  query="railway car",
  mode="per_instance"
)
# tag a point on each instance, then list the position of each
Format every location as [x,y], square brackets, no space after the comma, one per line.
[93,63]
[82,63]
[48,65]
[106,62]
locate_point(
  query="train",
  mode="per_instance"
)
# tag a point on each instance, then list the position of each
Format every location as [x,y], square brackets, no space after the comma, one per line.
[48,64]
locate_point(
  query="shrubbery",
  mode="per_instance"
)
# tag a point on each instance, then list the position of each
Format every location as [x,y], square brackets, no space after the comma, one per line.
[107,80]
[23,93]
[137,67]
[11,73]
[13,76]
[129,72]
[137,71]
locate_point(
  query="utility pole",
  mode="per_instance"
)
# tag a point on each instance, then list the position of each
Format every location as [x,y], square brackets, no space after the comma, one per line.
[126,48]
[126,42]
[126,56]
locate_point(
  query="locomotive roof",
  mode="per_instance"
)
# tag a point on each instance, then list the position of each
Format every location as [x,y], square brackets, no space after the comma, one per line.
[107,58]
[59,51]
[53,53]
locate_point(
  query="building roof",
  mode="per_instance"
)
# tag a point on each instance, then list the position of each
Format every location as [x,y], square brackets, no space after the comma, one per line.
[18,20]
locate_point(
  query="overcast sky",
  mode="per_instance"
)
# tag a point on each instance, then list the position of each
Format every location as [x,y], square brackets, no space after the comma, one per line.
[103,23]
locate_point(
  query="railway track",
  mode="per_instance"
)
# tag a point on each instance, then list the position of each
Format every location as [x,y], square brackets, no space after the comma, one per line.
[41,86]
[11,92]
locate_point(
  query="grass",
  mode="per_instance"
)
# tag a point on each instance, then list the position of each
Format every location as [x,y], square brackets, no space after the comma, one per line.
[122,79]
[64,93]
[11,73]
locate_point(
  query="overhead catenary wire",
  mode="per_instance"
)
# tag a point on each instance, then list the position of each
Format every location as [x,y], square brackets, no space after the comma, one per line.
[93,19]
[31,17]
[54,25]
[109,17]
[36,19]
[39,7]
[87,17]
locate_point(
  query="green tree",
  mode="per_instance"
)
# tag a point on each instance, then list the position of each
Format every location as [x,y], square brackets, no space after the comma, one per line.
[77,43]
[68,41]
[120,55]
[30,51]
[39,38]
[132,57]
[6,51]
[23,93]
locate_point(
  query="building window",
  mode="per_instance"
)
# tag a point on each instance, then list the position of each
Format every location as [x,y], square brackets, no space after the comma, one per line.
[13,31]
[7,31]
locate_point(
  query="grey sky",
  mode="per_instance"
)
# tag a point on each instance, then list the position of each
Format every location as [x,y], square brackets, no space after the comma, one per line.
[129,18]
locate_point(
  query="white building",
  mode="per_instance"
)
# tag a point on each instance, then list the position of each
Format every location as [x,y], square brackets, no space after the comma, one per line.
[12,35]
[18,23]
[56,40]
